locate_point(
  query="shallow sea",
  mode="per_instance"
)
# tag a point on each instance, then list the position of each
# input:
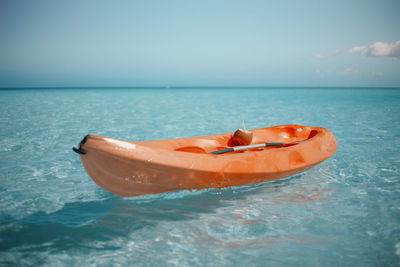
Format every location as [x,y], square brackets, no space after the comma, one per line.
[343,212]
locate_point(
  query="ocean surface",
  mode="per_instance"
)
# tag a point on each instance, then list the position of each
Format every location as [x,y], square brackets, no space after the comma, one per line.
[343,212]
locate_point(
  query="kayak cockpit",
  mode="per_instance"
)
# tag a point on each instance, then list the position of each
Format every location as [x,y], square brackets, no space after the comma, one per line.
[289,135]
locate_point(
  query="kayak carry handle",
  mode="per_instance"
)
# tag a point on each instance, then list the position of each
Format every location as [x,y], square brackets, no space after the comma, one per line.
[79,150]
[238,148]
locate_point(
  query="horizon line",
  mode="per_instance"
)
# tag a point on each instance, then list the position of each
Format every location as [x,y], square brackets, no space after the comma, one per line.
[193,87]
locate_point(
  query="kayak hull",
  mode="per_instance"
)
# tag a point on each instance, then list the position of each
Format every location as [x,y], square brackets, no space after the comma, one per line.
[151,167]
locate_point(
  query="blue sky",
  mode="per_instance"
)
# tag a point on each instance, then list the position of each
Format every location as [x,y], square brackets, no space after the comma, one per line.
[199,43]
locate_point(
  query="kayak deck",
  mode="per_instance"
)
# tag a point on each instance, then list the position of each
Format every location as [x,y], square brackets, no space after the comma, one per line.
[137,168]
[208,144]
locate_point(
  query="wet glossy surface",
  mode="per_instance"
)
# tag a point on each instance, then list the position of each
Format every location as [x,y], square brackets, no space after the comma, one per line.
[131,169]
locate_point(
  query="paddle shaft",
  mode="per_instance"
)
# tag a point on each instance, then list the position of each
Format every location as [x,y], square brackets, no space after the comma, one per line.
[238,148]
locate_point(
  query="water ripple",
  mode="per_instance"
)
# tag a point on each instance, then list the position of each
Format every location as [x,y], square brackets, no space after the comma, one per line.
[344,212]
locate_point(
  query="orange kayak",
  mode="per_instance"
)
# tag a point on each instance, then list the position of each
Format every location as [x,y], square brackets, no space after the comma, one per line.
[151,167]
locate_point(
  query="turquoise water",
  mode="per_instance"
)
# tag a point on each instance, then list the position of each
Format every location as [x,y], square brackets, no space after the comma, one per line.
[343,212]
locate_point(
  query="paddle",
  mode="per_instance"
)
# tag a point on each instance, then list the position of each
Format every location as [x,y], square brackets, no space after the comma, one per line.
[237,148]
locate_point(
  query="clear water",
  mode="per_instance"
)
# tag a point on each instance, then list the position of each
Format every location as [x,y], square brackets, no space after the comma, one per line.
[344,212]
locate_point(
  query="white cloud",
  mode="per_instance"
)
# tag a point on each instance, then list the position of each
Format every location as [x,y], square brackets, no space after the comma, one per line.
[348,71]
[345,72]
[336,52]
[378,49]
